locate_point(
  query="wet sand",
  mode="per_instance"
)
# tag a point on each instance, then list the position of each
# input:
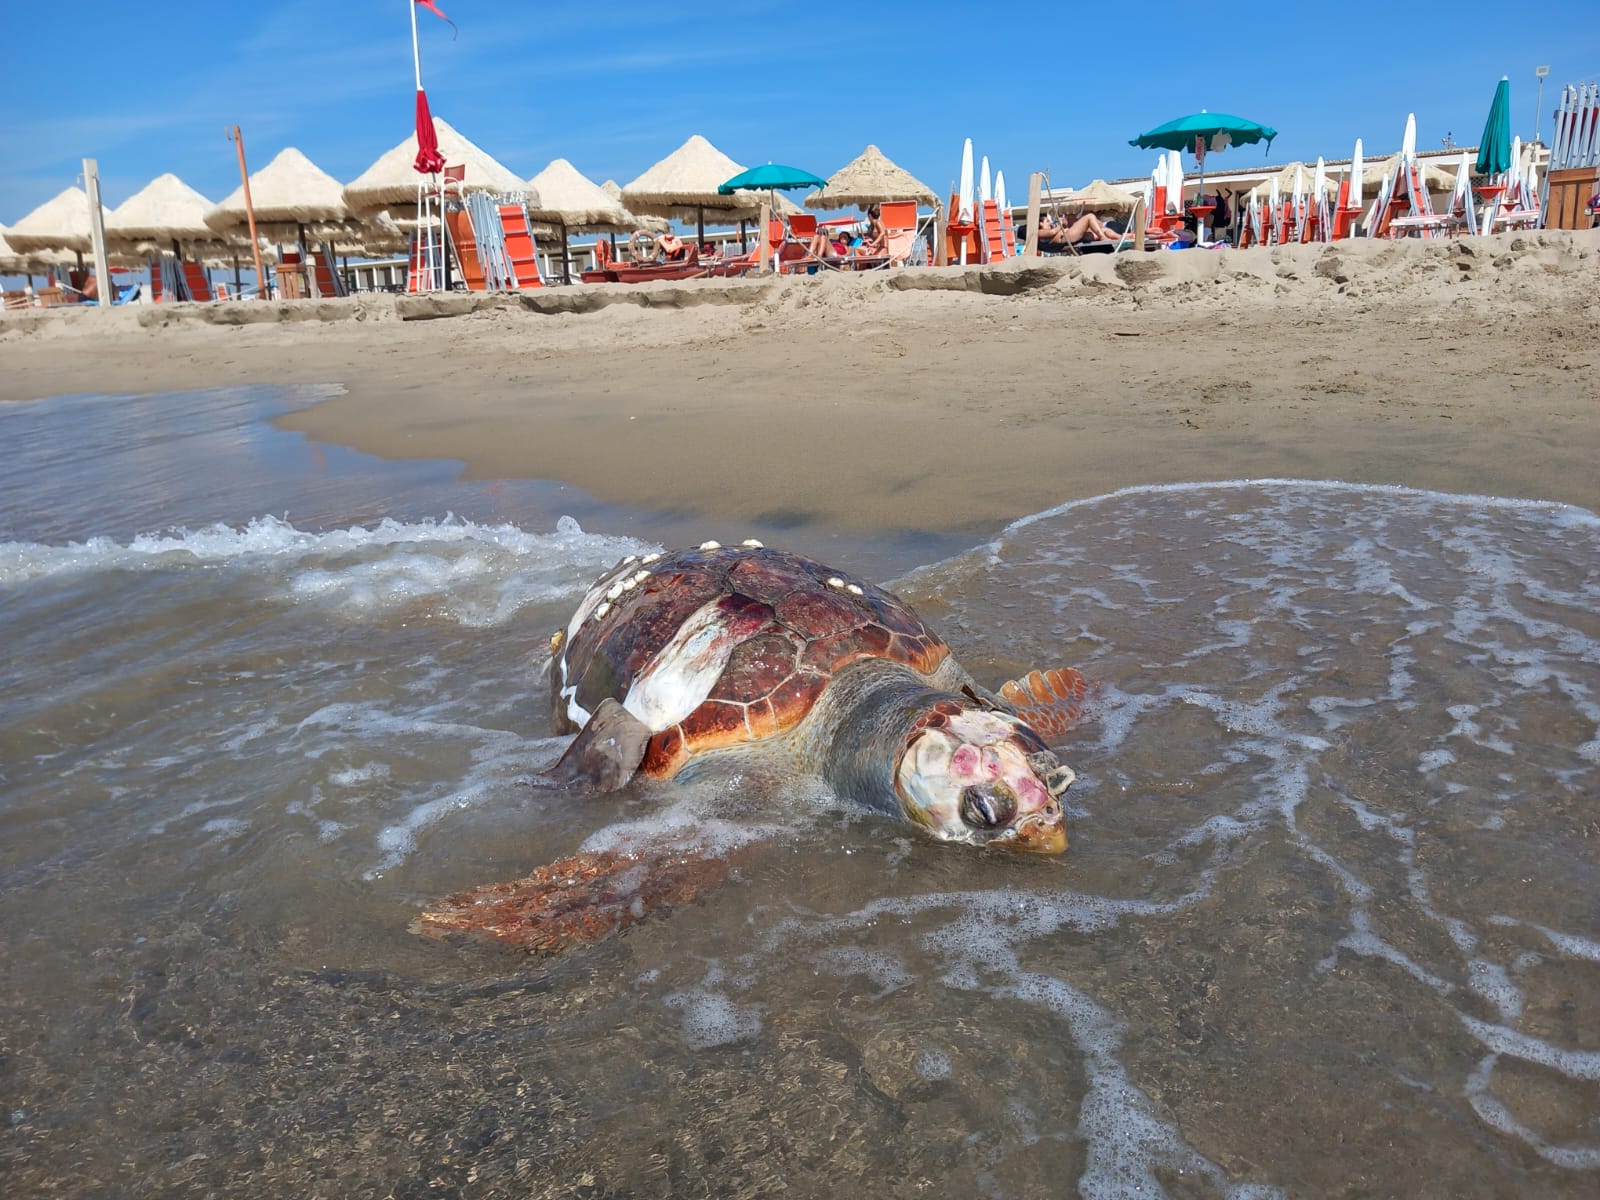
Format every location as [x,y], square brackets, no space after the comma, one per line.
[947,401]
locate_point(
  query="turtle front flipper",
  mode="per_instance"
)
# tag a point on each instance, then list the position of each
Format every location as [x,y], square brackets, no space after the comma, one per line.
[575,900]
[1048,702]
[607,752]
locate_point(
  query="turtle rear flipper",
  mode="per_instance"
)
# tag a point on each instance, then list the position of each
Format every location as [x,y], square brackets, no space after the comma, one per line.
[607,752]
[579,899]
[1049,702]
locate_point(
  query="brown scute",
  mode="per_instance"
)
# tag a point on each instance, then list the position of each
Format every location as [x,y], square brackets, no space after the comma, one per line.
[921,653]
[715,723]
[756,668]
[831,653]
[794,697]
[762,719]
[818,614]
[664,754]
[759,577]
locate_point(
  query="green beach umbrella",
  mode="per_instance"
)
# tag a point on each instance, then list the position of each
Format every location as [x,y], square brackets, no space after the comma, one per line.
[770,177]
[1216,129]
[1202,131]
[1494,148]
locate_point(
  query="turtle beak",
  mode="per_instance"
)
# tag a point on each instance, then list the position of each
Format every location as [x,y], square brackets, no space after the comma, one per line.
[1042,833]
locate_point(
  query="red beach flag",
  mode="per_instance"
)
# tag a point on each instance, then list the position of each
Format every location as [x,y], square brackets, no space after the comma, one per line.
[433,8]
[429,160]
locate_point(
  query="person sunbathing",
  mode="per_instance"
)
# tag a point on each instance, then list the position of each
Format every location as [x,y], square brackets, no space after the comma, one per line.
[1087,228]
[670,247]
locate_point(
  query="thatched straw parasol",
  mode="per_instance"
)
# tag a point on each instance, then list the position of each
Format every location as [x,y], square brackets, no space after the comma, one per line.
[574,203]
[60,223]
[684,186]
[12,261]
[870,178]
[393,179]
[653,224]
[570,198]
[290,190]
[165,210]
[1434,179]
[1099,196]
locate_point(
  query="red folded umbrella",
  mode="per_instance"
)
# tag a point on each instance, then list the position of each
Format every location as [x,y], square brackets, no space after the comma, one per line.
[429,160]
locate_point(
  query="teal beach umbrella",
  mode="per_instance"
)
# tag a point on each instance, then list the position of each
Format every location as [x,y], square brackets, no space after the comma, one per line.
[1203,131]
[1494,148]
[770,177]
[1218,130]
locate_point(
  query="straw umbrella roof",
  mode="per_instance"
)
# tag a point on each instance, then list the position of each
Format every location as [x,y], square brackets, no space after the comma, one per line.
[567,196]
[685,182]
[654,224]
[1308,179]
[60,223]
[870,178]
[1099,196]
[1434,179]
[393,178]
[13,262]
[289,190]
[165,209]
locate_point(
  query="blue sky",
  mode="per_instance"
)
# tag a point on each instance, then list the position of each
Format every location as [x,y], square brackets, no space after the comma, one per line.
[147,88]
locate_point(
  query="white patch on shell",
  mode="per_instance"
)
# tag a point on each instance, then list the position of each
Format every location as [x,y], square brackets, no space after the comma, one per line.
[679,678]
[604,608]
[614,591]
[853,588]
[650,558]
[835,582]
[752,543]
[711,545]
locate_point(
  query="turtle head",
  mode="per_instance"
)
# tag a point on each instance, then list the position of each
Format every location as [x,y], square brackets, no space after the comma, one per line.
[983,777]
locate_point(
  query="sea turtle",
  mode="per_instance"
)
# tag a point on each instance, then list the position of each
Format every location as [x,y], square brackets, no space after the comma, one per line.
[722,657]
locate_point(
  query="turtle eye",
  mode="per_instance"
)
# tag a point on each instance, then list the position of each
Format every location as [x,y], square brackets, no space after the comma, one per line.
[984,809]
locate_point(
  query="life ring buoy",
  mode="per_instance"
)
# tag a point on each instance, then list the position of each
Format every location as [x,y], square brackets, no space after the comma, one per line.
[642,246]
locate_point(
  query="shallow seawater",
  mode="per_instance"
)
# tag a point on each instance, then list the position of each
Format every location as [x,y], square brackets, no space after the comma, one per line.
[1328,925]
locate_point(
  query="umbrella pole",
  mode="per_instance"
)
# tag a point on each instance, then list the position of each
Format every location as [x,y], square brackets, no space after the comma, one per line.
[566,257]
[238,284]
[700,227]
[250,215]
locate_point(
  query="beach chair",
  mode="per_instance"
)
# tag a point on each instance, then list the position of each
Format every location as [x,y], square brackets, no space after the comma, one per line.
[899,219]
[195,284]
[802,229]
[522,253]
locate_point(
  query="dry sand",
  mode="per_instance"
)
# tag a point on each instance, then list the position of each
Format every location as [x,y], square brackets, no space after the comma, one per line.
[947,400]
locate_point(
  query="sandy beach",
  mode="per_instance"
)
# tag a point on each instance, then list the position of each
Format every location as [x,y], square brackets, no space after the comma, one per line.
[950,400]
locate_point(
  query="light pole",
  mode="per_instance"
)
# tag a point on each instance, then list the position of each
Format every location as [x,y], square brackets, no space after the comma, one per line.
[1538,105]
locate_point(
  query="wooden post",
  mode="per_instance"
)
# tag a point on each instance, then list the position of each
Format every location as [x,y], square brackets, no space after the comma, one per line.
[941,239]
[250,214]
[762,246]
[1141,218]
[105,290]
[1035,203]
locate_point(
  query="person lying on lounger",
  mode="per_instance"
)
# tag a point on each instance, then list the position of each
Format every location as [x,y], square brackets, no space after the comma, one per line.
[1087,228]
[822,246]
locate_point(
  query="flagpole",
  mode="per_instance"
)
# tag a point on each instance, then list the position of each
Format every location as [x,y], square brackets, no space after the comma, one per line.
[416,55]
